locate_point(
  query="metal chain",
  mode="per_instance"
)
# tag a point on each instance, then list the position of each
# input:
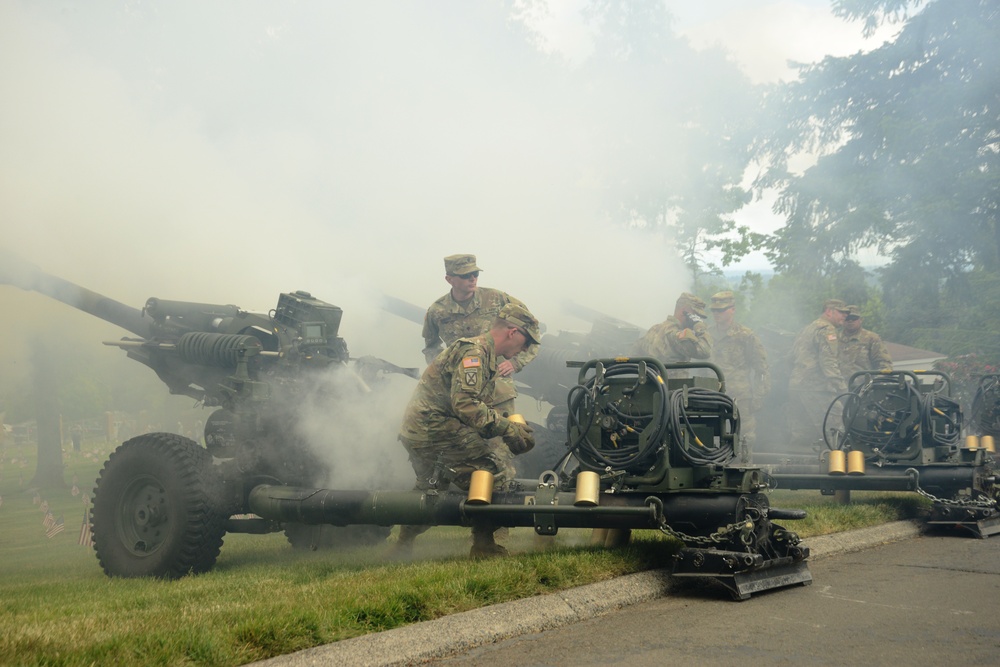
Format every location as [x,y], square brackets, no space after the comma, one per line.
[962,502]
[715,538]
[988,503]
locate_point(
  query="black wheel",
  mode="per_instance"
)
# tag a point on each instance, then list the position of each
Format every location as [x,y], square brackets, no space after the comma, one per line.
[302,536]
[155,511]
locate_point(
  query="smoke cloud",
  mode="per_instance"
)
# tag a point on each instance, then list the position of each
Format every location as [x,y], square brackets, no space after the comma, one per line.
[224,153]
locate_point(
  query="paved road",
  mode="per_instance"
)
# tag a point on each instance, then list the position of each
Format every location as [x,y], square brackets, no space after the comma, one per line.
[931,600]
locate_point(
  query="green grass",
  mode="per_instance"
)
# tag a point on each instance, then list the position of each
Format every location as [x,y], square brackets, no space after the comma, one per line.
[264,599]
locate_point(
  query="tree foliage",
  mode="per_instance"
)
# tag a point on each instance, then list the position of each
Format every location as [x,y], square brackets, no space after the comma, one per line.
[675,123]
[908,139]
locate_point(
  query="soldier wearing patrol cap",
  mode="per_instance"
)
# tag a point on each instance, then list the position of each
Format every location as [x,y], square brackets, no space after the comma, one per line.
[468,310]
[861,349]
[451,429]
[816,380]
[683,336]
[738,352]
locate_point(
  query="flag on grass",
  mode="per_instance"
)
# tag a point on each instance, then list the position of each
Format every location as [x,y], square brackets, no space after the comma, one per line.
[48,520]
[85,539]
[57,527]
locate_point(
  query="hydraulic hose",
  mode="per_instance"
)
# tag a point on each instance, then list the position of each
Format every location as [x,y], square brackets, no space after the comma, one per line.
[584,407]
[692,448]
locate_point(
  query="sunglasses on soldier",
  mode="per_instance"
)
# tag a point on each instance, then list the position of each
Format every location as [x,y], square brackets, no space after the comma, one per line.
[466,276]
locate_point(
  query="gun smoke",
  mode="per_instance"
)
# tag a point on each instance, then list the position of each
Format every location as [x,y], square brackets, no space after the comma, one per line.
[230,152]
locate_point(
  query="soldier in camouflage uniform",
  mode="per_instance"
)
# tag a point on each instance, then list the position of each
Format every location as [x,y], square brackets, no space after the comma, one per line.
[450,428]
[816,379]
[681,337]
[861,349]
[468,310]
[738,352]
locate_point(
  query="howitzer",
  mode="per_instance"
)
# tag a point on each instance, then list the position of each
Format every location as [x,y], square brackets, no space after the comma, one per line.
[254,369]
[902,431]
[641,452]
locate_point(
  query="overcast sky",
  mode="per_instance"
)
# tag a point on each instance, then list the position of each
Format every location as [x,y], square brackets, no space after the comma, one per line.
[227,151]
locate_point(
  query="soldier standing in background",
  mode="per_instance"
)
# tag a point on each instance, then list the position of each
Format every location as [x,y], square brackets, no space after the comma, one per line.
[861,349]
[468,310]
[683,336]
[816,379]
[738,352]
[450,428]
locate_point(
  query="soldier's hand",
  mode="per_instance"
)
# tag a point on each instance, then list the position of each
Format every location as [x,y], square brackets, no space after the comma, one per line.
[518,438]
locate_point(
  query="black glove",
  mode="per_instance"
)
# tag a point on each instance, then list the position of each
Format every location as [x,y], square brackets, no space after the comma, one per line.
[518,438]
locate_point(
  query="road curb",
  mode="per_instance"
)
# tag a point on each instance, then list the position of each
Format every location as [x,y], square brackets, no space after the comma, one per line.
[863,538]
[460,632]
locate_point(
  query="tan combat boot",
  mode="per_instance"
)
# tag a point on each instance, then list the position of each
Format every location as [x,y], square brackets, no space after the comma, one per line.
[403,548]
[483,544]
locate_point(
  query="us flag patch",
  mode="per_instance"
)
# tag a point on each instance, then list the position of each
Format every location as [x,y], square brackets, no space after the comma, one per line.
[471,362]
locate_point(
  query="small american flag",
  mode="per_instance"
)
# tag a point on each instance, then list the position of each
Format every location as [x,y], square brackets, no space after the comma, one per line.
[48,521]
[56,528]
[85,539]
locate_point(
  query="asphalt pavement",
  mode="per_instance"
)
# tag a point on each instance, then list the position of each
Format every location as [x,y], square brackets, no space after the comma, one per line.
[485,635]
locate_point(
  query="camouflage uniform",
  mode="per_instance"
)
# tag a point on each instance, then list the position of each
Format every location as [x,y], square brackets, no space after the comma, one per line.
[450,418]
[862,350]
[448,320]
[738,352]
[815,379]
[670,341]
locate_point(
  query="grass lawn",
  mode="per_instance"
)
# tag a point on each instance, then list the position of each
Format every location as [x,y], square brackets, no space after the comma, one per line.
[264,599]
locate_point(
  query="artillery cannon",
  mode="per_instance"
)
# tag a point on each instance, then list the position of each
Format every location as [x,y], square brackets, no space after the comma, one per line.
[902,431]
[160,506]
[640,452]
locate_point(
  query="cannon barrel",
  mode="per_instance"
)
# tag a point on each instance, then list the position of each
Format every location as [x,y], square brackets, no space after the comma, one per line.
[694,514]
[939,480]
[27,276]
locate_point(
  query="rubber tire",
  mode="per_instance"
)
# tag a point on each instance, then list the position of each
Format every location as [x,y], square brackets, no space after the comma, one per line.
[313,537]
[157,489]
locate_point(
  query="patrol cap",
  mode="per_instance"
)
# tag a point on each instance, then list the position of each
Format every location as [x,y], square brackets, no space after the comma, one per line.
[853,311]
[836,304]
[518,315]
[723,300]
[458,265]
[692,303]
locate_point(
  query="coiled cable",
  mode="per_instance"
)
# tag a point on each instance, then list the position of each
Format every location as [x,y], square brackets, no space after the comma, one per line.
[631,454]
[682,434]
